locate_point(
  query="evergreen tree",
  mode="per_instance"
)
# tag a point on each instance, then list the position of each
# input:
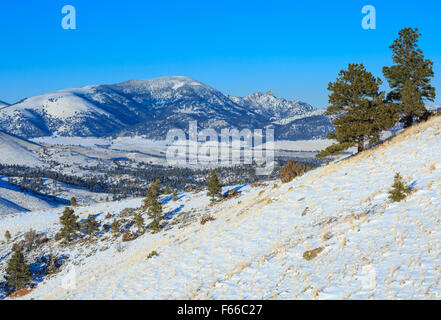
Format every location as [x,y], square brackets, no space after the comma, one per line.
[399,190]
[7,236]
[70,225]
[175,196]
[90,226]
[167,190]
[155,213]
[409,77]
[139,223]
[17,271]
[116,227]
[214,187]
[73,202]
[360,111]
[152,193]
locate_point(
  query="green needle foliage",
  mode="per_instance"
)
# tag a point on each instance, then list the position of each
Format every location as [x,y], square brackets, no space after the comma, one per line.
[409,77]
[399,190]
[73,202]
[90,226]
[17,272]
[214,187]
[139,223]
[69,223]
[154,207]
[359,110]
[152,193]
[7,236]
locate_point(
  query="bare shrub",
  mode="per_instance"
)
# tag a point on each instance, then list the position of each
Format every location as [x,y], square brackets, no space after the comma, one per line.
[292,170]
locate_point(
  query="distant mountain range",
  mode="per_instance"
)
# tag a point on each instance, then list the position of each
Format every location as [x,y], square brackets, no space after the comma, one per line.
[152,107]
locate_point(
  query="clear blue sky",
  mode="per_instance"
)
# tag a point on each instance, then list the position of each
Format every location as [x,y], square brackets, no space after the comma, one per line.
[291,47]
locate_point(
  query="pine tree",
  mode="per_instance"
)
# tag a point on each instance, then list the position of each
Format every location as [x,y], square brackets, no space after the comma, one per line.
[116,227]
[167,190]
[90,226]
[409,77]
[139,223]
[73,202]
[360,111]
[70,225]
[155,213]
[7,236]
[399,190]
[18,272]
[152,193]
[214,187]
[175,196]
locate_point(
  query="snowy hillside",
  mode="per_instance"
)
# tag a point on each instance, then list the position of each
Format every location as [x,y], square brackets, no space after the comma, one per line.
[330,234]
[17,151]
[3,104]
[151,107]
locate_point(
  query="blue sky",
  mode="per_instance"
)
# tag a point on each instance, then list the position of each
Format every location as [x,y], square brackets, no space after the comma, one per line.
[292,47]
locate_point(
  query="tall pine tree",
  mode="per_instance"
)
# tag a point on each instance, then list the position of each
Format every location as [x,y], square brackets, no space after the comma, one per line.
[152,193]
[17,272]
[70,225]
[409,77]
[359,110]
[214,187]
[151,202]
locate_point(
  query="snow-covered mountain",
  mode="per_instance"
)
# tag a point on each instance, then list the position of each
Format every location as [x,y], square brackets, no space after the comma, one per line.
[153,107]
[3,104]
[267,105]
[332,233]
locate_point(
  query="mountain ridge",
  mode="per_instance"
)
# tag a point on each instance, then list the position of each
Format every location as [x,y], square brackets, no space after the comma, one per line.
[152,107]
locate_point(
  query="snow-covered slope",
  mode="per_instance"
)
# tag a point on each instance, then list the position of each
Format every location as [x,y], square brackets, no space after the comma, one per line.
[146,107]
[18,151]
[13,200]
[3,104]
[366,245]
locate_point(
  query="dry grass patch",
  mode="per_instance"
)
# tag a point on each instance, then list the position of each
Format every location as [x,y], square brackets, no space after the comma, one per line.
[311,254]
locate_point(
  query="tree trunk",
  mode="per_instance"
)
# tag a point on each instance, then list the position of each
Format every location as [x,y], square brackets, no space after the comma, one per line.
[360,144]
[407,121]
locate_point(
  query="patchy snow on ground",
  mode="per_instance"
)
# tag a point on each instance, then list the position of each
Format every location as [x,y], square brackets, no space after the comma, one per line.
[360,244]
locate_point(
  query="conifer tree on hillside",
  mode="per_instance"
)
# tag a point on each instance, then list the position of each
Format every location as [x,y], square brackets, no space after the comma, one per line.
[155,213]
[152,193]
[167,190]
[399,190]
[18,274]
[90,226]
[409,77]
[360,111]
[73,202]
[69,224]
[214,187]
[151,202]
[7,236]
[115,227]
[175,196]
[139,223]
